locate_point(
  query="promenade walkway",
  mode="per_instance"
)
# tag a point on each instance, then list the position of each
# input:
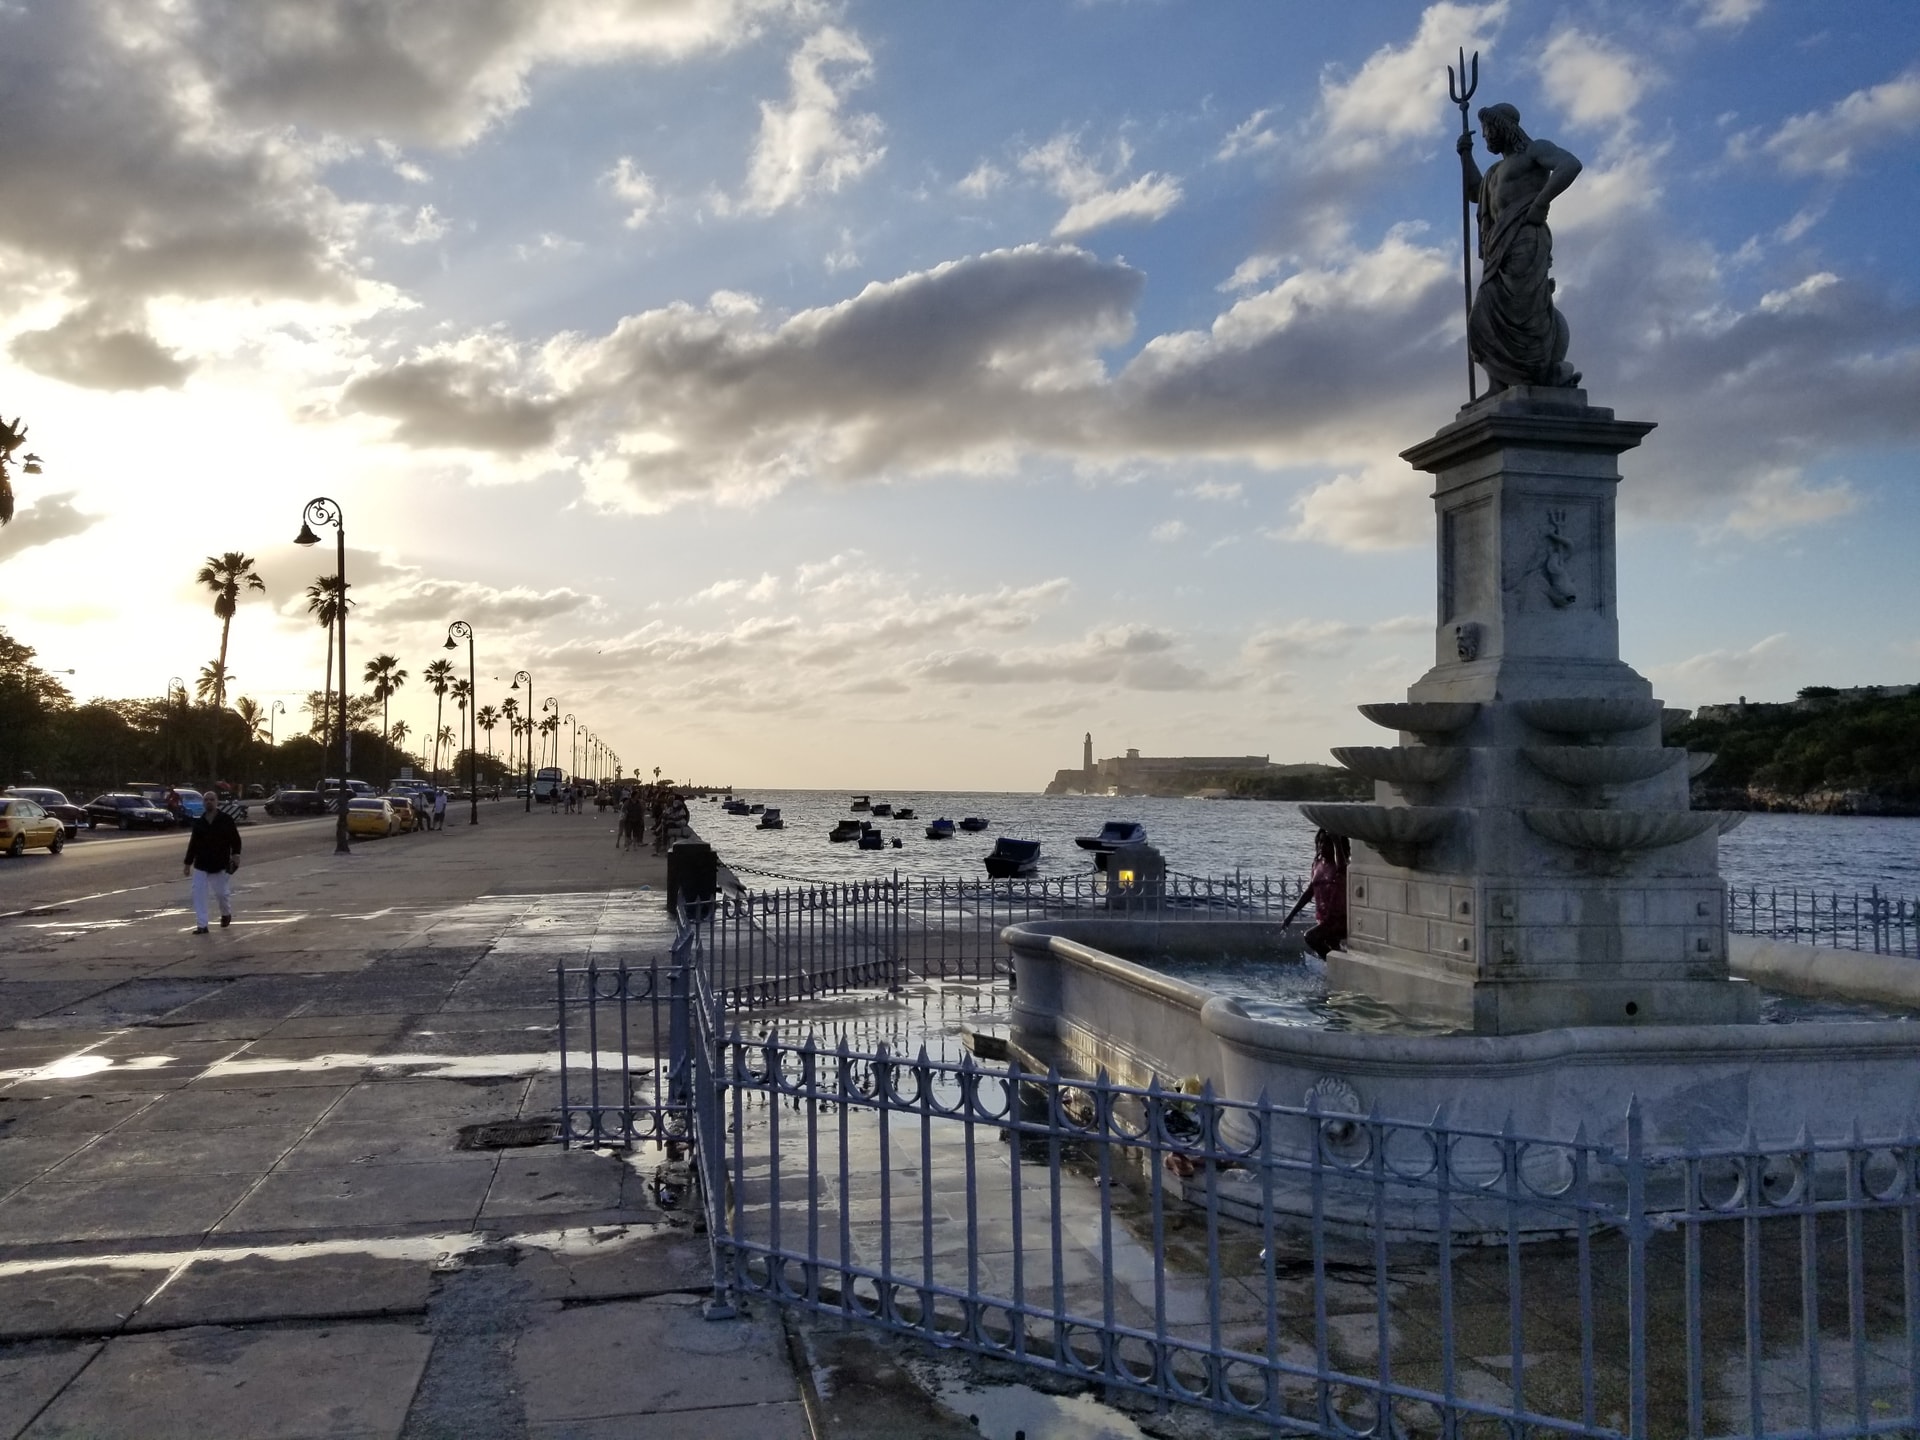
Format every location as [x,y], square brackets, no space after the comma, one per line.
[269,1182]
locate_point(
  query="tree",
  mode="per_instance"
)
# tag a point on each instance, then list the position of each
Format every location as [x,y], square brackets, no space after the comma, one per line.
[324,604]
[385,675]
[486,717]
[211,684]
[224,575]
[510,712]
[30,701]
[439,676]
[463,696]
[397,737]
[550,726]
[12,437]
[445,737]
[252,716]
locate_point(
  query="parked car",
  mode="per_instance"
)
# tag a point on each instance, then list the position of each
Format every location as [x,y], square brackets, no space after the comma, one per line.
[25,826]
[403,809]
[70,816]
[127,812]
[372,816]
[295,802]
[186,804]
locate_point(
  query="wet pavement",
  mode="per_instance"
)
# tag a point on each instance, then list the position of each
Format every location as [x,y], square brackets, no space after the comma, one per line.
[239,1188]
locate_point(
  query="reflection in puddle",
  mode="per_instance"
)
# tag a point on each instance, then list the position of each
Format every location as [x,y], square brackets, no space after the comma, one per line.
[429,1067]
[1002,1412]
[78,1067]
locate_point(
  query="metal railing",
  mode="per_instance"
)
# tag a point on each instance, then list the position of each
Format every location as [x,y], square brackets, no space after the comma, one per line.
[1877,922]
[1313,1271]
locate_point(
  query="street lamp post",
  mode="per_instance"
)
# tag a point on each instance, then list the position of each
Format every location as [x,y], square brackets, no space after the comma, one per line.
[554,705]
[526,757]
[323,511]
[573,746]
[174,682]
[273,712]
[460,629]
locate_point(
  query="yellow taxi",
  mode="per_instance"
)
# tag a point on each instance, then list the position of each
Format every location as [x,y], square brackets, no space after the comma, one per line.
[403,810]
[370,815]
[25,826]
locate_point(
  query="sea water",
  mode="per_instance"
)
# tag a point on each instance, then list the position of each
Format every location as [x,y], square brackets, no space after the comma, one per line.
[1826,853]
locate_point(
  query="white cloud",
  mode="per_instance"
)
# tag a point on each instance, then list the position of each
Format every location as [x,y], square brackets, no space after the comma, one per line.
[1391,97]
[1591,81]
[808,146]
[1783,500]
[981,181]
[48,519]
[634,188]
[1796,296]
[1252,136]
[1223,490]
[1727,14]
[1379,508]
[1719,675]
[1830,141]
[1095,195]
[1168,531]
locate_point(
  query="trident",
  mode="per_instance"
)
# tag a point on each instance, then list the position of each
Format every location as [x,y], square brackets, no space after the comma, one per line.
[1466,248]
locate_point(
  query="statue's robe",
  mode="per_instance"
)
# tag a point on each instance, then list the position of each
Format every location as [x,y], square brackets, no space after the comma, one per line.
[1514,331]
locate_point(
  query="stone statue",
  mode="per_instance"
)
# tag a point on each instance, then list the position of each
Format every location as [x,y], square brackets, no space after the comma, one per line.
[1514,331]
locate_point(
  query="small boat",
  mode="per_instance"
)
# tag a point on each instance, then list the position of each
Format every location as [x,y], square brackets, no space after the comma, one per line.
[941,829]
[756,809]
[1012,858]
[881,809]
[846,830]
[736,807]
[905,812]
[973,822]
[1112,836]
[871,838]
[770,819]
[860,804]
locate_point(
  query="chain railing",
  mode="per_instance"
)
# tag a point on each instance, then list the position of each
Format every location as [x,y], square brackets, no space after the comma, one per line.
[1877,922]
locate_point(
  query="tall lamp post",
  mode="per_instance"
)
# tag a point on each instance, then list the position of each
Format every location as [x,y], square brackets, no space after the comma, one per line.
[323,511]
[573,746]
[461,630]
[174,682]
[273,712]
[526,757]
[554,705]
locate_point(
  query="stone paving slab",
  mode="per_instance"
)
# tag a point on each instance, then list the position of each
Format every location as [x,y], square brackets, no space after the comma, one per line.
[257,1288]
[77,1300]
[405,1195]
[32,1375]
[353,1381]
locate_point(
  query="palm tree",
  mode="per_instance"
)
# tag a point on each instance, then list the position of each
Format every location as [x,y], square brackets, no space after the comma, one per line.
[252,716]
[324,604]
[397,737]
[385,675]
[550,726]
[439,677]
[212,683]
[12,436]
[462,696]
[485,718]
[510,712]
[224,575]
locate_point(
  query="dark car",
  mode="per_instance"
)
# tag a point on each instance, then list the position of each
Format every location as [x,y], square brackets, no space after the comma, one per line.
[295,802]
[70,816]
[127,812]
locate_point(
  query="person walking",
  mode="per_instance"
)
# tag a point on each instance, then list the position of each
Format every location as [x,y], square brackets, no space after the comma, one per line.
[213,854]
[440,808]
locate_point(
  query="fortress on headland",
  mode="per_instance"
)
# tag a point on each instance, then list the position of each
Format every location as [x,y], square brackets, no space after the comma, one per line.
[1175,775]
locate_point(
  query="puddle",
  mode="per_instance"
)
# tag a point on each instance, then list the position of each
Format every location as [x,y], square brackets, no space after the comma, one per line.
[78,1067]
[429,1067]
[1014,1412]
[440,1249]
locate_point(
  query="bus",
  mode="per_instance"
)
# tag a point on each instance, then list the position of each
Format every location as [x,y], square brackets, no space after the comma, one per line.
[546,783]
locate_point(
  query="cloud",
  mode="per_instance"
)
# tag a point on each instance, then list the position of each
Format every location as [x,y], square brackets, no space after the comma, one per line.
[1252,136]
[416,600]
[981,181]
[1830,141]
[1274,645]
[1590,81]
[1719,675]
[88,348]
[635,189]
[49,518]
[1221,490]
[465,399]
[1784,500]
[1727,14]
[1390,98]
[1095,195]
[1379,508]
[1132,657]
[1168,531]
[808,146]
[437,71]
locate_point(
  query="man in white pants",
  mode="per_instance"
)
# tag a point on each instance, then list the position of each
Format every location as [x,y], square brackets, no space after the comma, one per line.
[440,808]
[213,854]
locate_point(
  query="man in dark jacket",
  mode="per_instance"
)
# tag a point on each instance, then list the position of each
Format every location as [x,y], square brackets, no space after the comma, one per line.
[213,854]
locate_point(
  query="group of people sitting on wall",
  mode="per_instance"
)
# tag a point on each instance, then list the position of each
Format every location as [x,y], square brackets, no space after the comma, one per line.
[659,803]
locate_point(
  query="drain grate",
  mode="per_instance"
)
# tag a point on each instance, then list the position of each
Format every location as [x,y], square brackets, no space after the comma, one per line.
[508,1134]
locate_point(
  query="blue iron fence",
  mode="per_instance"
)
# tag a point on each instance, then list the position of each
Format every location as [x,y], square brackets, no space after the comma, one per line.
[1310,1269]
[1883,924]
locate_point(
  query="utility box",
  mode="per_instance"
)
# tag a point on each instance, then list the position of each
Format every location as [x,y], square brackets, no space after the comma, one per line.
[693,876]
[1136,877]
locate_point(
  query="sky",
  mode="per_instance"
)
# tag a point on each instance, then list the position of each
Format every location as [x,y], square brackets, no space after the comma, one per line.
[879,395]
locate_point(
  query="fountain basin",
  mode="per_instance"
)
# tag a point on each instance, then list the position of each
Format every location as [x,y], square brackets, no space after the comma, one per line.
[1093,1010]
[1619,830]
[1401,764]
[1588,715]
[1423,717]
[1584,766]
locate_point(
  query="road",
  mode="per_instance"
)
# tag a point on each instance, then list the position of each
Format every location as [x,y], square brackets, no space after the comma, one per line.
[108,862]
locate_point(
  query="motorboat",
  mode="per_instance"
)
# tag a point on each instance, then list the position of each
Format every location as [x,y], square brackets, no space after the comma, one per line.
[770,819]
[881,809]
[1012,858]
[736,807]
[871,838]
[941,829]
[1112,836]
[756,809]
[905,812]
[861,804]
[846,830]
[973,822]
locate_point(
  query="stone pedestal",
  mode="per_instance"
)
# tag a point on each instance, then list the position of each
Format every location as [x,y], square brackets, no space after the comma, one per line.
[1531,861]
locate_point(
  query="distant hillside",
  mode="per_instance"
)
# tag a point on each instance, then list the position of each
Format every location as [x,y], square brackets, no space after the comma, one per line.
[1856,753]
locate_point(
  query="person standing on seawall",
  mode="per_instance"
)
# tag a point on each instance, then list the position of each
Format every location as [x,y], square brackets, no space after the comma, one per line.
[1328,886]
[213,854]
